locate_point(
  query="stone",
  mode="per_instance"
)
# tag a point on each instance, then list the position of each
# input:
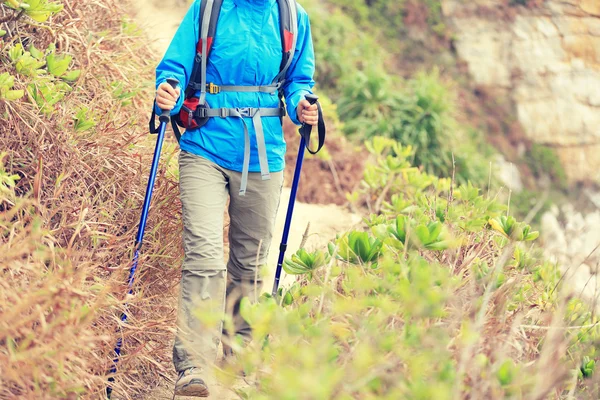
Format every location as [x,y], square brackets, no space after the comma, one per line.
[592,234]
[552,233]
[568,209]
[537,54]
[593,196]
[570,25]
[586,47]
[591,7]
[508,174]
[582,163]
[582,283]
[483,55]
[570,7]
[575,223]
[547,61]
[592,25]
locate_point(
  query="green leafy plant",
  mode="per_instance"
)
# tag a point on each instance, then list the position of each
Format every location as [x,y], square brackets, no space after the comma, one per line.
[38,10]
[431,236]
[47,71]
[420,114]
[510,228]
[58,65]
[358,247]
[507,372]
[83,120]
[587,367]
[543,161]
[25,62]
[6,84]
[303,262]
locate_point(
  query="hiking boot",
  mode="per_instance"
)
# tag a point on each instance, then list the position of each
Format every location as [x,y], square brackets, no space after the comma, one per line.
[190,383]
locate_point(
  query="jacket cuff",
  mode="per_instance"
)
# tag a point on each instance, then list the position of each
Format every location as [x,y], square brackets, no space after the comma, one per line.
[292,105]
[178,105]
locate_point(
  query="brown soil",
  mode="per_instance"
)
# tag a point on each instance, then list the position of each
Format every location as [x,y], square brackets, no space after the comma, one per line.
[324,181]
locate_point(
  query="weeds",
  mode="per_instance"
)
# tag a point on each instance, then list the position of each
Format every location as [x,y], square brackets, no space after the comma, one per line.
[438,299]
[72,180]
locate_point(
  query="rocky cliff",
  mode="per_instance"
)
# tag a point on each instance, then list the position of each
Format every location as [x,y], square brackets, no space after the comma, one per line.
[544,57]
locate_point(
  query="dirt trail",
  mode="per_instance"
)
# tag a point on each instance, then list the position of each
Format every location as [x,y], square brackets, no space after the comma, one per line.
[159,20]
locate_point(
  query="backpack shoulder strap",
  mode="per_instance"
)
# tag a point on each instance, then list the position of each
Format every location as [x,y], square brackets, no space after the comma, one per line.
[209,16]
[288,21]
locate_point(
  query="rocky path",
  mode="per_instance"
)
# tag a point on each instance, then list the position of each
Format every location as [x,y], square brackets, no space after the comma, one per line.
[159,20]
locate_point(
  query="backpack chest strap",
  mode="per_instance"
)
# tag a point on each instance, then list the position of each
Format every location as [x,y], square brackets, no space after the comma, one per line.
[214,89]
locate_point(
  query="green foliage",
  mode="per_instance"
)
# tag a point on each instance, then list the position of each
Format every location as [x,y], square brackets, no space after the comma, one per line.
[304,262]
[38,10]
[7,82]
[8,181]
[389,16]
[417,113]
[343,47]
[83,120]
[587,367]
[47,72]
[417,306]
[543,161]
[358,247]
[510,228]
[121,93]
[522,202]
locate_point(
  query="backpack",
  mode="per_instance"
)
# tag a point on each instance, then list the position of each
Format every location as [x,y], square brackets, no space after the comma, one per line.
[195,111]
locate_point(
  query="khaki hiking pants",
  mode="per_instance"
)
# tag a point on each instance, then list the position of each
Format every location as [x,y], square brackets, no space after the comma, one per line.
[208,286]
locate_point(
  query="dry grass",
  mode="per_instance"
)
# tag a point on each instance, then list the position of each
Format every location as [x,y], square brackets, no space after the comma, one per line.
[68,225]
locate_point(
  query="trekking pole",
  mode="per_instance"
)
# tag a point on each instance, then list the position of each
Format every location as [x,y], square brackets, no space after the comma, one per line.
[164,120]
[312,99]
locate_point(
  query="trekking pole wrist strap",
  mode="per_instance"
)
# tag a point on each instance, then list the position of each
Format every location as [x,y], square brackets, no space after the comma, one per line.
[306,131]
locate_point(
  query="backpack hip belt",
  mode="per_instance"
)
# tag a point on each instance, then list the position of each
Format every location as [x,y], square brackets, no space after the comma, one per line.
[193,115]
[256,114]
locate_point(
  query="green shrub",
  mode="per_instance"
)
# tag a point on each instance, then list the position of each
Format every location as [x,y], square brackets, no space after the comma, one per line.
[418,113]
[343,48]
[543,161]
[38,10]
[437,299]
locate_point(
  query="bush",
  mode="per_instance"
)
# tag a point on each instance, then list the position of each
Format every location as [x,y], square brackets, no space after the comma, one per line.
[544,162]
[418,113]
[72,178]
[342,47]
[440,298]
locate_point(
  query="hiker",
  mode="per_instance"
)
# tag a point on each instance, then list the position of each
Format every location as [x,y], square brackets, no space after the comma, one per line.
[230,103]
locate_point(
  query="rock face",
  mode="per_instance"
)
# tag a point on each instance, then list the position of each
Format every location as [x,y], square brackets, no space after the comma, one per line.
[573,240]
[546,60]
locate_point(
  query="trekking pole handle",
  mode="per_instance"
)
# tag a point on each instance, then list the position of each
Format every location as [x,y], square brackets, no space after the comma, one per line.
[164,117]
[312,98]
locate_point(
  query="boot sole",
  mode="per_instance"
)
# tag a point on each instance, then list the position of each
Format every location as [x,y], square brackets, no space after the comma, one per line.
[192,390]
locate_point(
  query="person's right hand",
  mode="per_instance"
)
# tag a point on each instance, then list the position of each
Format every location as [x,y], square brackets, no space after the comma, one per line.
[166,96]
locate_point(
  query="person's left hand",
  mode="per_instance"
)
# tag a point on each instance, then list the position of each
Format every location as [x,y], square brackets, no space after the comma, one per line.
[307,113]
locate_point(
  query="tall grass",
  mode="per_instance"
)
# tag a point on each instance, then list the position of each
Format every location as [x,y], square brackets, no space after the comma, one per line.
[72,180]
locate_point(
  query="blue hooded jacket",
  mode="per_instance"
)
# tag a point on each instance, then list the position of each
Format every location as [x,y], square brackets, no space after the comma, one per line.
[246,51]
